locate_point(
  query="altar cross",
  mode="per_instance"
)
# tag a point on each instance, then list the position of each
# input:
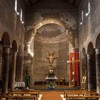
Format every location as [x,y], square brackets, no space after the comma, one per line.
[51,58]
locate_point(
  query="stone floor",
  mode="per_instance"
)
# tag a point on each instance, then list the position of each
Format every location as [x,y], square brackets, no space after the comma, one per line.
[51,95]
[57,95]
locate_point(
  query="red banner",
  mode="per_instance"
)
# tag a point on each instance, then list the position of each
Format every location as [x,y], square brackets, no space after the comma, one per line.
[74,67]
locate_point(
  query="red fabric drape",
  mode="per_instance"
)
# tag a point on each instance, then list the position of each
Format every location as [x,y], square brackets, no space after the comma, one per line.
[74,63]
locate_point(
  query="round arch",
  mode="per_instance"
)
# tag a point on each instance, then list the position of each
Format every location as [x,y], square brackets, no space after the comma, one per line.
[5,39]
[84,65]
[33,31]
[6,61]
[84,68]
[14,45]
[49,21]
[91,67]
[55,28]
[83,52]
[48,44]
[90,48]
[97,43]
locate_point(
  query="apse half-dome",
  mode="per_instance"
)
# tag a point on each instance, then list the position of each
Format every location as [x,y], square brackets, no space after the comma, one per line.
[50,30]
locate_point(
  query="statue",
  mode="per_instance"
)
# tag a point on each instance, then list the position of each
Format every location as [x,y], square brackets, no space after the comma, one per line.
[51,78]
[51,58]
[27,78]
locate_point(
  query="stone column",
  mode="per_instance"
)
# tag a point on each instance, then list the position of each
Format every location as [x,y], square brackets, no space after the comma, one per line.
[19,75]
[89,67]
[5,74]
[13,74]
[98,70]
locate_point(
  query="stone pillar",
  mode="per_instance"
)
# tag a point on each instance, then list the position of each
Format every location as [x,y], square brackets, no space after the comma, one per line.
[5,74]
[19,75]
[98,70]
[89,67]
[13,74]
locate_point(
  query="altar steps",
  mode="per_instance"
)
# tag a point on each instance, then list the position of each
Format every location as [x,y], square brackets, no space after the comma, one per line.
[41,87]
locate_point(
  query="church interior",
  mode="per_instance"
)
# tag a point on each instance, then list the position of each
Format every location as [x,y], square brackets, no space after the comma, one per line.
[49,49]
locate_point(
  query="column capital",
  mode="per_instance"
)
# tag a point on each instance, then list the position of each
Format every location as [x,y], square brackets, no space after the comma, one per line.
[6,50]
[97,50]
[89,54]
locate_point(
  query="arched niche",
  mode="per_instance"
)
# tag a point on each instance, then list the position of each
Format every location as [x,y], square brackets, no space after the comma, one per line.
[1,55]
[98,41]
[14,46]
[91,67]
[97,45]
[50,38]
[5,39]
[5,61]
[12,62]
[83,67]
[90,48]
[84,64]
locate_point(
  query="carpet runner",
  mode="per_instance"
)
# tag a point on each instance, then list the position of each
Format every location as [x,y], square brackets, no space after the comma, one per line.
[51,95]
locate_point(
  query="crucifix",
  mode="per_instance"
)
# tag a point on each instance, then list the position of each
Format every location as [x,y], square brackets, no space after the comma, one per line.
[51,58]
[73,69]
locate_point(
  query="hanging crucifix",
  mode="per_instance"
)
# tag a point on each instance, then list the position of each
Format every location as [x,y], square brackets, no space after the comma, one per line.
[51,58]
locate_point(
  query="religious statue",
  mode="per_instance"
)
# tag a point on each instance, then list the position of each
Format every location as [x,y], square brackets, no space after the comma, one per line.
[27,78]
[51,58]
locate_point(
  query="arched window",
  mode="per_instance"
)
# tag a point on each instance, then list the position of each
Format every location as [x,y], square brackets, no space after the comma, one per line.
[16,6]
[21,16]
[89,8]
[82,17]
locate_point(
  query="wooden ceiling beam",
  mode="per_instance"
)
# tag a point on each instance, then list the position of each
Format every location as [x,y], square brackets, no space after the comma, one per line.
[72,2]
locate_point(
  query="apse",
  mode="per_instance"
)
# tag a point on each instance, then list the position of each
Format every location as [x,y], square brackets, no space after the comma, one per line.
[50,38]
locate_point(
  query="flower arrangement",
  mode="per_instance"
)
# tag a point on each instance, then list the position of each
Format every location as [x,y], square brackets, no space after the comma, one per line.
[51,85]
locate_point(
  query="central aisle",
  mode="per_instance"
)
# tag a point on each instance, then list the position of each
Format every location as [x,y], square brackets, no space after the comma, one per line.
[51,95]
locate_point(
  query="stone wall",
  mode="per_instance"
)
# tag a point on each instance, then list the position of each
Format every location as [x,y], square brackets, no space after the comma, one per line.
[89,30]
[41,66]
[10,21]
[56,12]
[45,11]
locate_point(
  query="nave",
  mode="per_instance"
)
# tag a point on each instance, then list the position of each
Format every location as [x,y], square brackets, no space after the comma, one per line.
[48,48]
[50,95]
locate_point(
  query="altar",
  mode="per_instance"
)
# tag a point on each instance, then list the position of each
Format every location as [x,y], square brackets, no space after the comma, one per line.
[19,85]
[51,77]
[51,80]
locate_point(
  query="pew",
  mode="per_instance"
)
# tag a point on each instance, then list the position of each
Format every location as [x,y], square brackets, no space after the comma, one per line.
[23,94]
[79,93]
[83,97]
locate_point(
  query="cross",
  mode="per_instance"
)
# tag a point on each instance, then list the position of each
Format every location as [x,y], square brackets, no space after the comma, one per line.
[73,67]
[51,58]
